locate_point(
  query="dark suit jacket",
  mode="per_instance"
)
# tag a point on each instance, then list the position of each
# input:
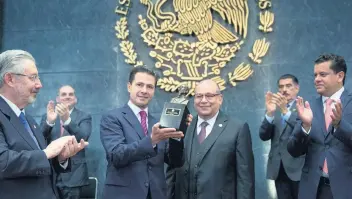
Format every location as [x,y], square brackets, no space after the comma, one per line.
[223,167]
[279,134]
[134,166]
[25,171]
[334,144]
[81,127]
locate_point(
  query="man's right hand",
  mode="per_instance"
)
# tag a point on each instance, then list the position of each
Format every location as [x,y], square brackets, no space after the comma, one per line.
[159,134]
[51,114]
[269,104]
[304,113]
[56,146]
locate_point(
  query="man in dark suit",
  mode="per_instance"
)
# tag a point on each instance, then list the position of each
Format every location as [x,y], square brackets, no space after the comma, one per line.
[324,134]
[71,121]
[135,145]
[27,164]
[218,156]
[277,126]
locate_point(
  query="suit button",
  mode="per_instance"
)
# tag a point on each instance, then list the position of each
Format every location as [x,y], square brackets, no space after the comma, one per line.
[146,184]
[186,171]
[195,166]
[150,167]
[198,153]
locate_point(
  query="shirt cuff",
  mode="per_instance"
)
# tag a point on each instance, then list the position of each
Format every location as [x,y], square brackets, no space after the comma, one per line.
[64,164]
[269,119]
[47,122]
[67,122]
[307,133]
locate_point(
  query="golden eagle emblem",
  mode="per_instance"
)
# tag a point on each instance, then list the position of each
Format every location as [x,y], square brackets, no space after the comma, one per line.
[195,17]
[185,62]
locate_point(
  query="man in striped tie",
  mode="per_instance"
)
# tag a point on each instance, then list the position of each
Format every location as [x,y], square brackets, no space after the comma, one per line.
[324,133]
[135,145]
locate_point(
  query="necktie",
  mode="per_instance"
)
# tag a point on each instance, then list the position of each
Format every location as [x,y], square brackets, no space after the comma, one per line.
[62,129]
[28,128]
[282,116]
[203,133]
[144,122]
[328,112]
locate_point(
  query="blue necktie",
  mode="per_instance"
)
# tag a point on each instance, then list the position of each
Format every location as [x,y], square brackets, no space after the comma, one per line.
[282,117]
[28,128]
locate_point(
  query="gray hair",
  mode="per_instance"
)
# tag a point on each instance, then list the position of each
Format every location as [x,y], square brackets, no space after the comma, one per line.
[11,62]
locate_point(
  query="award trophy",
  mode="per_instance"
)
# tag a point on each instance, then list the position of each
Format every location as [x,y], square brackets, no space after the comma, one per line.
[175,112]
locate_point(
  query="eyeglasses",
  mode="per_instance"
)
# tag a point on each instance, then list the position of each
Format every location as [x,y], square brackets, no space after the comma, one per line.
[208,96]
[33,78]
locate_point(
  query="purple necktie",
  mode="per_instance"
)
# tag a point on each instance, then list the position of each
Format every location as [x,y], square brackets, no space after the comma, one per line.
[144,122]
[203,133]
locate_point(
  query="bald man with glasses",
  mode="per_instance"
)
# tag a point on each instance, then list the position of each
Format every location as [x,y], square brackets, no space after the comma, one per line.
[218,155]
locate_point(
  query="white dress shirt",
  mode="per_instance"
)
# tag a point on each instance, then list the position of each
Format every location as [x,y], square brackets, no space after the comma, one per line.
[210,125]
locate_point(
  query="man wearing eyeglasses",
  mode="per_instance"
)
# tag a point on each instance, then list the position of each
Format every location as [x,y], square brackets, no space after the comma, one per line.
[27,165]
[65,119]
[277,126]
[218,155]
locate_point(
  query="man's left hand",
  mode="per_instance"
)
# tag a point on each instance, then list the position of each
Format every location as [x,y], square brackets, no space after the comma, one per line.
[281,102]
[71,148]
[63,111]
[337,114]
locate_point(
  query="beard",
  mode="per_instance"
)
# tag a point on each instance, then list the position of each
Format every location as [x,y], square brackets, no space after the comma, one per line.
[32,99]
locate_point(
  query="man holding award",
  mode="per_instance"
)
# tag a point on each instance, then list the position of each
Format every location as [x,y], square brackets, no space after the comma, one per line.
[218,156]
[137,146]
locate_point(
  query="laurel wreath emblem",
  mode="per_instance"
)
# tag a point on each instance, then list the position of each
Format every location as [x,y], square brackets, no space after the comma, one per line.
[186,63]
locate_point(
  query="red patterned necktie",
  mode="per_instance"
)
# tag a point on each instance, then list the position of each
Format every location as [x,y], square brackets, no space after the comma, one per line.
[144,122]
[328,112]
[203,133]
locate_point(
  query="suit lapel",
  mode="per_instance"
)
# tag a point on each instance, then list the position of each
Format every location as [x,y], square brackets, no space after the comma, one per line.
[191,132]
[218,128]
[16,123]
[36,131]
[133,120]
[283,125]
[345,98]
[151,122]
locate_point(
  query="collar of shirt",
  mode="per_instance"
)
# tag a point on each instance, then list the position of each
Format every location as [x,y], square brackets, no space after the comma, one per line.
[136,110]
[13,106]
[291,103]
[211,121]
[335,96]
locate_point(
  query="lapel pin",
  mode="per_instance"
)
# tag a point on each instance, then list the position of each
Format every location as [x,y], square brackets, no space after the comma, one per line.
[34,126]
[220,125]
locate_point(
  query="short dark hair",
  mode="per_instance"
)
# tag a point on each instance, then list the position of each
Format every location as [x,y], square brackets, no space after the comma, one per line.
[288,76]
[338,63]
[141,69]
